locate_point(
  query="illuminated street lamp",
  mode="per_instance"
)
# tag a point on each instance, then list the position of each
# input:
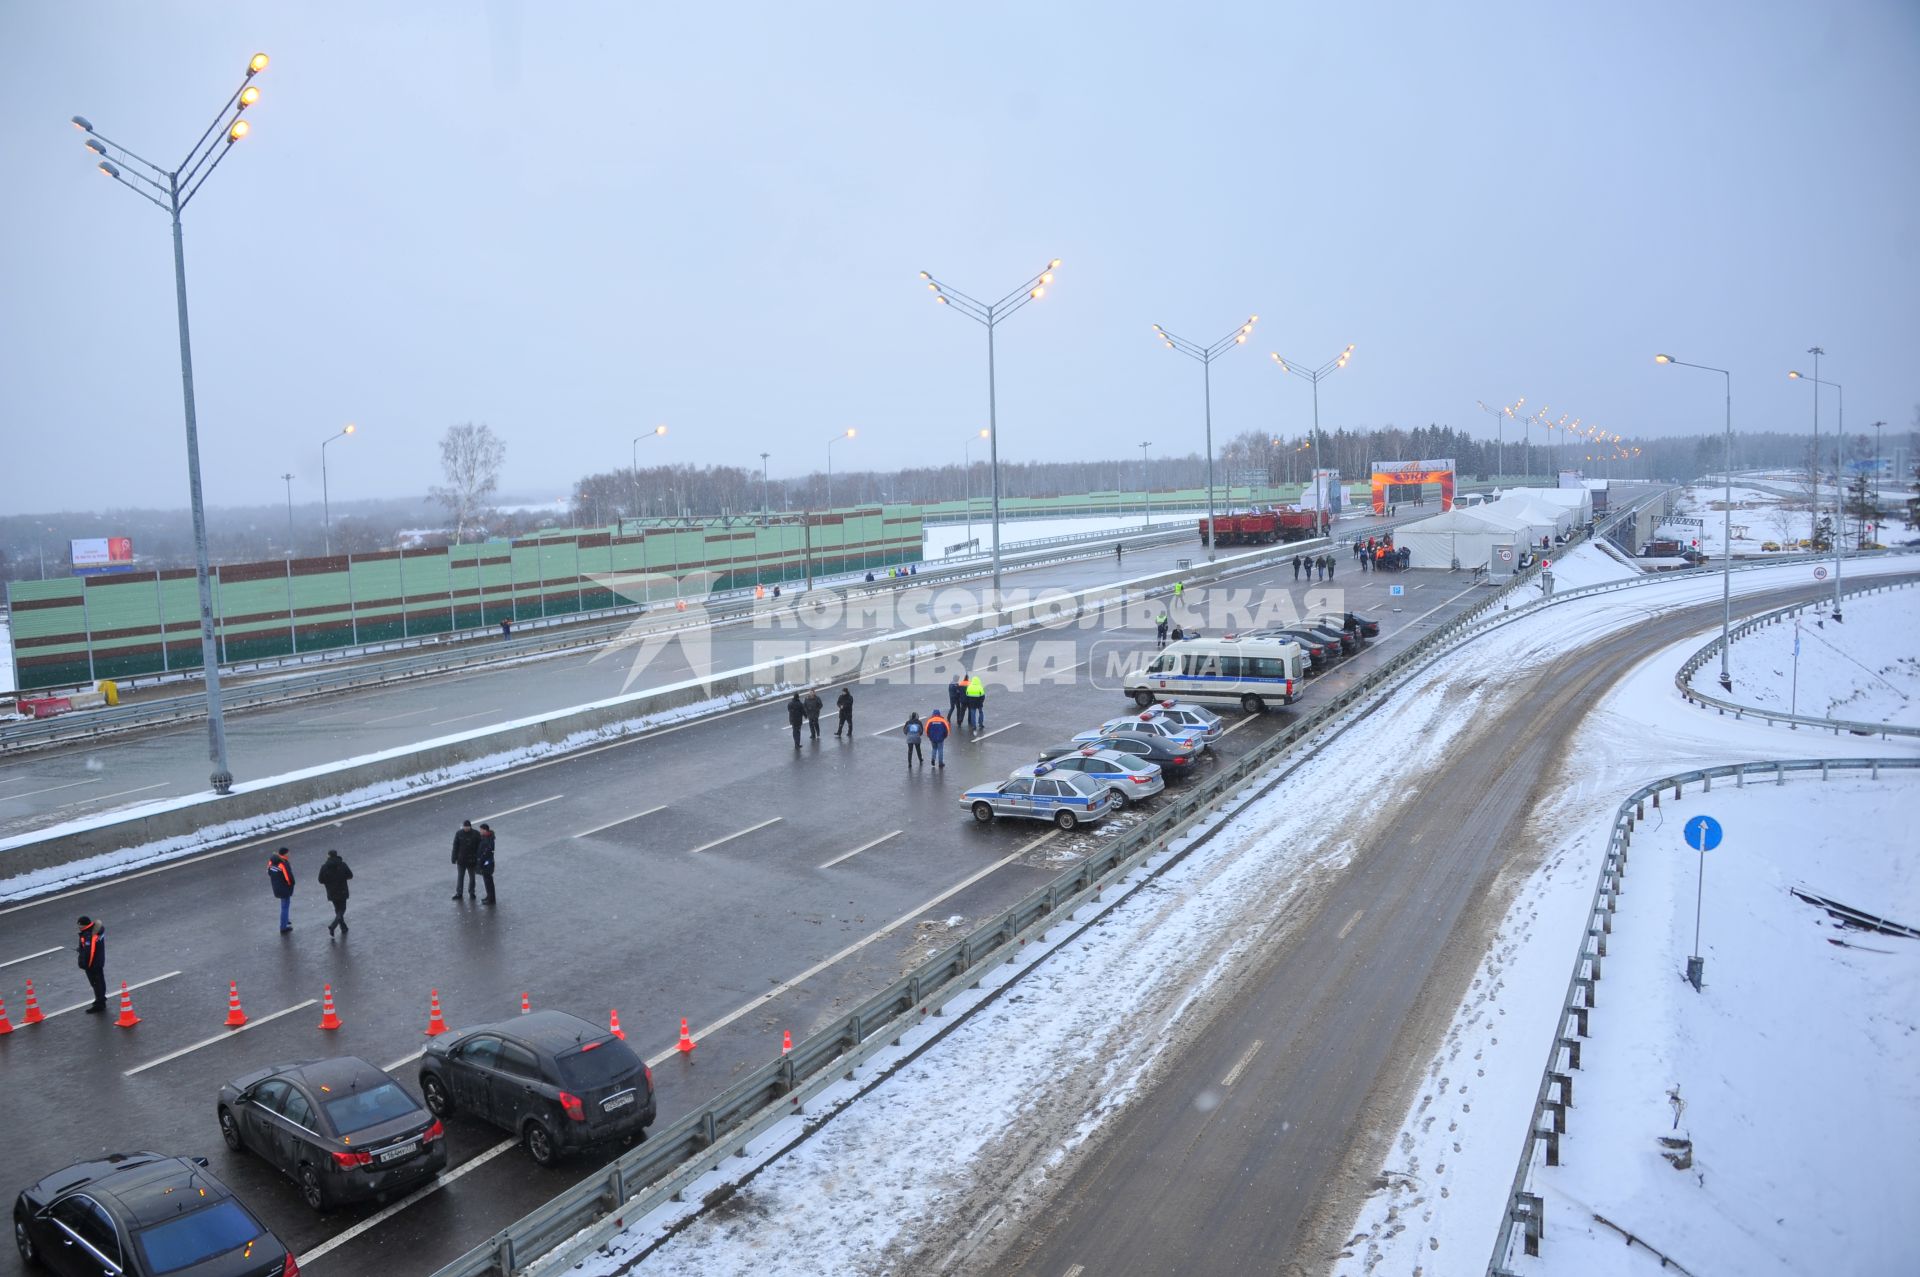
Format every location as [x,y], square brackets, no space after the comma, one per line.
[170,190]
[844,434]
[1839,488]
[326,507]
[1146,488]
[1316,375]
[989,315]
[634,471]
[1500,417]
[1206,355]
[1726,524]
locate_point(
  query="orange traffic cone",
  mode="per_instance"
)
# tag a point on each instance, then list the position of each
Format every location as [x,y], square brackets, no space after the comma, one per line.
[687,1043]
[6,1025]
[526,1003]
[235,1016]
[786,1041]
[435,1024]
[127,1018]
[33,1015]
[329,1018]
[614,1027]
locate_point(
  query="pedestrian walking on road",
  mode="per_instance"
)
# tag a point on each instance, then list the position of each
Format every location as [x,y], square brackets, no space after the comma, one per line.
[333,876]
[1296,567]
[976,703]
[957,698]
[92,952]
[466,847]
[796,715]
[813,705]
[845,706]
[280,878]
[506,629]
[1331,564]
[912,729]
[1160,627]
[483,861]
[937,729]
[1116,551]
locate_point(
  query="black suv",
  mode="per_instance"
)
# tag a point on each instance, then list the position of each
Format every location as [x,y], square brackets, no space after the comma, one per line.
[340,1129]
[144,1214]
[554,1080]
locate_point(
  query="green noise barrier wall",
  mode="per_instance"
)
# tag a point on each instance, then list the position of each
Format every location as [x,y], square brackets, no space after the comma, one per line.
[69,632]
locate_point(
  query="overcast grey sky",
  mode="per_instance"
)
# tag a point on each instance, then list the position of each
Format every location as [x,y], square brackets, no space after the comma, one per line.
[577,221]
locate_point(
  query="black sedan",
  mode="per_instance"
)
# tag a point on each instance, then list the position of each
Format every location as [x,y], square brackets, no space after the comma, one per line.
[1368,627]
[1315,645]
[340,1129]
[554,1080]
[143,1214]
[1174,760]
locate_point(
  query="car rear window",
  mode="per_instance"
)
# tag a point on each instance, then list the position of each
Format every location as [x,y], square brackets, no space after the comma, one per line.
[192,1239]
[598,1064]
[357,1110]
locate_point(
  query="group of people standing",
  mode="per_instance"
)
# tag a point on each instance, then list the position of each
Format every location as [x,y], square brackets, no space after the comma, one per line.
[1378,554]
[473,860]
[966,707]
[804,711]
[1318,567]
[333,877]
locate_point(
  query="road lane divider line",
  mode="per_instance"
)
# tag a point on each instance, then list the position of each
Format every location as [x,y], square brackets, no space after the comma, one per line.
[747,1008]
[623,820]
[95,780]
[1226,732]
[708,846]
[1240,1065]
[253,1023]
[995,732]
[1075,1271]
[424,709]
[1348,924]
[432,1186]
[31,956]
[101,798]
[81,1006]
[847,855]
[405,1059]
[442,722]
[522,807]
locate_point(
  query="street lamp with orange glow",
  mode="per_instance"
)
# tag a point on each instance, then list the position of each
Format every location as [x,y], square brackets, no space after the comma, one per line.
[844,434]
[1500,417]
[989,315]
[326,505]
[170,190]
[1206,355]
[1726,522]
[1316,375]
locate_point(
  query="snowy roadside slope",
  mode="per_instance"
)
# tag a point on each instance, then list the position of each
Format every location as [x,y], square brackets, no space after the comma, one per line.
[6,655]
[1865,669]
[1459,1144]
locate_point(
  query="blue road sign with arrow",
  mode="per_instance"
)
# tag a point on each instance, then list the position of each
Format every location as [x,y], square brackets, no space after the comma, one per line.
[1702,833]
[1397,591]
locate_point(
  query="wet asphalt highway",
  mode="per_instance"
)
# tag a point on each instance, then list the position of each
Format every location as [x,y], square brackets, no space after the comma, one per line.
[707,870]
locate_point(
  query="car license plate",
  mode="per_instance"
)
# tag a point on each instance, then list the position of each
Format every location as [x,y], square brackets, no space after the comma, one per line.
[398,1151]
[617,1101]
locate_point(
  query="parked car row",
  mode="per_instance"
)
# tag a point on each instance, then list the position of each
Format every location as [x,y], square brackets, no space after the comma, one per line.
[343,1131]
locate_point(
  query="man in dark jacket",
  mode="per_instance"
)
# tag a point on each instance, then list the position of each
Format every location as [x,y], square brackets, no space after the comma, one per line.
[845,705]
[957,699]
[813,705]
[796,715]
[483,861]
[333,876]
[280,878]
[936,727]
[92,952]
[466,845]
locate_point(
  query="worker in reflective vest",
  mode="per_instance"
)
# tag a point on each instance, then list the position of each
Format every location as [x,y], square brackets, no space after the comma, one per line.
[280,878]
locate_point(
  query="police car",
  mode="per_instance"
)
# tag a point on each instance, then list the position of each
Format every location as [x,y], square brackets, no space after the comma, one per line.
[1067,798]
[1131,779]
[1210,725]
[1147,723]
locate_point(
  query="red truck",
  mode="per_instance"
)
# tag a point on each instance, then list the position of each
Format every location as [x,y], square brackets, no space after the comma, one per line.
[1260,527]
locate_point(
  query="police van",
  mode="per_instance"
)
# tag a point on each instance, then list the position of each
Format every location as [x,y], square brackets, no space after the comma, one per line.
[1253,672]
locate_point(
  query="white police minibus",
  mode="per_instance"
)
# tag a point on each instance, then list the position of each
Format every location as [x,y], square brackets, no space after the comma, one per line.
[1255,672]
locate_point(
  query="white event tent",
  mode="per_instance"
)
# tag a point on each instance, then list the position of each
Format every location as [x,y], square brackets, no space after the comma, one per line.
[1466,537]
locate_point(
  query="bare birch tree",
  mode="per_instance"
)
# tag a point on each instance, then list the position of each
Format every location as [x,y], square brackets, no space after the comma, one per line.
[470,458]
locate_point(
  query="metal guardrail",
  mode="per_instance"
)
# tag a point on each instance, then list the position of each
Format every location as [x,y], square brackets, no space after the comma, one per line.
[1684,678]
[1527,1210]
[481,648]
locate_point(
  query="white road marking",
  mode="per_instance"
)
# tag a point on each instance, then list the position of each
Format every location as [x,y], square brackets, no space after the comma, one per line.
[1240,1065]
[101,798]
[220,1037]
[31,956]
[112,994]
[1226,732]
[623,820]
[708,846]
[425,709]
[848,855]
[405,1059]
[746,1008]
[522,807]
[50,789]
[995,732]
[442,722]
[1348,924]
[1076,1270]
[432,1186]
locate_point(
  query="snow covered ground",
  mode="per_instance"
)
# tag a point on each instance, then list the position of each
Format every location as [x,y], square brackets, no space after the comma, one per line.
[904,1172]
[1865,669]
[1016,531]
[6,655]
[1758,516]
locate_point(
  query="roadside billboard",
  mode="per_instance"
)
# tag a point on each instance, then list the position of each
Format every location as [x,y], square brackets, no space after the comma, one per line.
[102,554]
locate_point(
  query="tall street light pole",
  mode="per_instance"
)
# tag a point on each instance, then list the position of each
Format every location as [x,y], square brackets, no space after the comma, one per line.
[1206,355]
[326,501]
[1726,525]
[966,477]
[1146,487]
[171,190]
[1500,418]
[766,506]
[989,315]
[1316,375]
[844,434]
[288,477]
[634,471]
[1876,474]
[1839,488]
